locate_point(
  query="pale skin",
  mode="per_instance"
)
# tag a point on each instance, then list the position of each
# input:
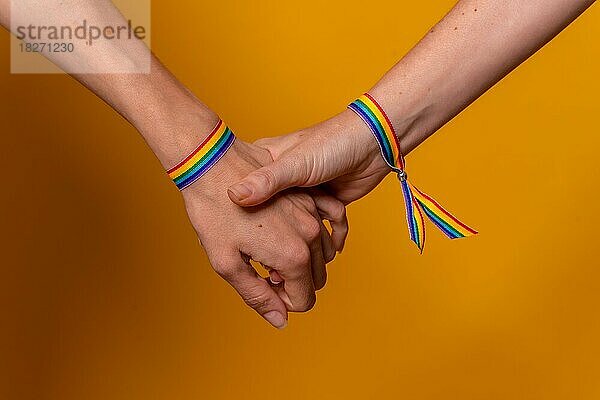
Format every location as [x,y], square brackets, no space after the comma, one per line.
[286,234]
[473,47]
[466,53]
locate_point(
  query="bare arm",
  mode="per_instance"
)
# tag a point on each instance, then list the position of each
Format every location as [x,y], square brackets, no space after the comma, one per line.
[288,235]
[471,49]
[474,46]
[167,115]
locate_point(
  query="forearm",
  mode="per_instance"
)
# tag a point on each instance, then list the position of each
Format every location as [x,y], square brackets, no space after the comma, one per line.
[468,51]
[169,117]
[472,48]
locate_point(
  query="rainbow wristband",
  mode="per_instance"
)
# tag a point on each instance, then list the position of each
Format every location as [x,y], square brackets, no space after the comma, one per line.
[417,203]
[203,158]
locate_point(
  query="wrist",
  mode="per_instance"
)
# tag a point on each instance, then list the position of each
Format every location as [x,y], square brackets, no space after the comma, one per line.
[411,115]
[203,158]
[174,132]
[361,137]
[365,153]
[240,159]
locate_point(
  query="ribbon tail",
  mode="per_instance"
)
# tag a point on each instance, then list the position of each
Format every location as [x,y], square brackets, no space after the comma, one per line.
[414,216]
[444,220]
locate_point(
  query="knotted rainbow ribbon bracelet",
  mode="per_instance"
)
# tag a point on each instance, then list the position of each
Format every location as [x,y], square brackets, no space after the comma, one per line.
[417,203]
[203,158]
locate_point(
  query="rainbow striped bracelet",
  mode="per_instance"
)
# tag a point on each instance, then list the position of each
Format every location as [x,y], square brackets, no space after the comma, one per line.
[417,203]
[203,158]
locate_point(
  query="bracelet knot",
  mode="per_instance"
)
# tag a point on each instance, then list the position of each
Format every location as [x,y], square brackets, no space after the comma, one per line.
[417,203]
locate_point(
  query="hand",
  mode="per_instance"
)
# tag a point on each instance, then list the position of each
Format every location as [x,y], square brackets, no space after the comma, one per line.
[341,154]
[286,235]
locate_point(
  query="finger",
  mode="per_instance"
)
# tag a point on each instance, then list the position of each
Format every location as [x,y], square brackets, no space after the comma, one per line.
[321,247]
[275,281]
[271,144]
[260,185]
[317,261]
[253,289]
[280,290]
[288,254]
[333,211]
[297,278]
[327,245]
[279,144]
[275,278]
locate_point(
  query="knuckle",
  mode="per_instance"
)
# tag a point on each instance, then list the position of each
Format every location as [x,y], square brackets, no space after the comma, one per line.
[265,176]
[298,163]
[311,228]
[223,269]
[298,257]
[338,211]
[226,273]
[257,301]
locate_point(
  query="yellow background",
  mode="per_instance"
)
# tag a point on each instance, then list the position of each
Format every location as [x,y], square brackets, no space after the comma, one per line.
[105,294]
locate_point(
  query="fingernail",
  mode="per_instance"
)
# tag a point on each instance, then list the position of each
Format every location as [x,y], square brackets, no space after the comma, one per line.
[276,319]
[275,278]
[274,281]
[240,191]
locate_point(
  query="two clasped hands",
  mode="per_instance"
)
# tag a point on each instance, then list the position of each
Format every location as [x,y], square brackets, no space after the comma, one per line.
[267,201]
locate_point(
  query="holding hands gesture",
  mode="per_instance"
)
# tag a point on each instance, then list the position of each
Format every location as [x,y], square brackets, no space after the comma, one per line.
[340,154]
[266,202]
[285,234]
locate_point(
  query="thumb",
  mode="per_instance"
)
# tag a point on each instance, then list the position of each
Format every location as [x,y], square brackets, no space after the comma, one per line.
[260,185]
[254,290]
